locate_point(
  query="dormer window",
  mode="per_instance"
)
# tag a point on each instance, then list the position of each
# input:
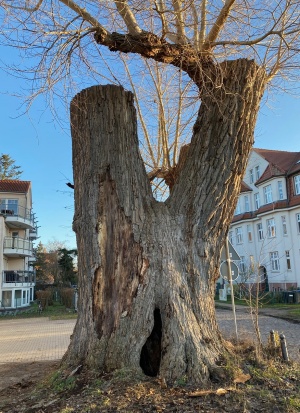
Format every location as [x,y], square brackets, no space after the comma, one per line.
[238,209]
[297,184]
[268,194]
[257,200]
[251,176]
[280,190]
[257,172]
[247,204]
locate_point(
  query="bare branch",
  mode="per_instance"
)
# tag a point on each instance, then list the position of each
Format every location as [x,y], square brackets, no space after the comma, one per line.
[203,23]
[86,16]
[28,9]
[281,33]
[140,114]
[181,39]
[128,17]
[218,25]
[161,116]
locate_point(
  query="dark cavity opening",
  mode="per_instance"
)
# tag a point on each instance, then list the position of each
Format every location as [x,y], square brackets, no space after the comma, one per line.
[151,351]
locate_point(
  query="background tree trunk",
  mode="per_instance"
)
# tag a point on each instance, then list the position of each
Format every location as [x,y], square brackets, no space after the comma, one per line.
[147,269]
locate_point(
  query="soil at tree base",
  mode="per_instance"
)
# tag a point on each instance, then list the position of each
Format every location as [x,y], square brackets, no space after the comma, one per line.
[38,388]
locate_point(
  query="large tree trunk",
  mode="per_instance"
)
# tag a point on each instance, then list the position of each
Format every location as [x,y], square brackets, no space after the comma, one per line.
[147,269]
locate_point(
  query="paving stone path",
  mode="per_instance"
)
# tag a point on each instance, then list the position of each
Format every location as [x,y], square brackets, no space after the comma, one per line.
[34,339]
[246,331]
[41,339]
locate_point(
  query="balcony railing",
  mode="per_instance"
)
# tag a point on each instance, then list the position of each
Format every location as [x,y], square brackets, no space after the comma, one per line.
[33,233]
[18,215]
[18,246]
[18,277]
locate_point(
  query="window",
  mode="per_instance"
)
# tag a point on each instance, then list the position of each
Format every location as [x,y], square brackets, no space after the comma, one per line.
[257,200]
[274,258]
[242,265]
[284,226]
[288,260]
[271,228]
[247,204]
[268,194]
[230,237]
[257,173]
[260,232]
[18,298]
[251,176]
[297,184]
[280,190]
[6,298]
[298,222]
[252,265]
[10,206]
[249,232]
[239,235]
[238,208]
[15,236]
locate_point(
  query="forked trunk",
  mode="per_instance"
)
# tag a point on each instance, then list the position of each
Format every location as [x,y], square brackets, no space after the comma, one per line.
[147,269]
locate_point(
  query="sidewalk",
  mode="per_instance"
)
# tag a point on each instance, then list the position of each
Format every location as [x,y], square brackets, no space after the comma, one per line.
[282,313]
[34,339]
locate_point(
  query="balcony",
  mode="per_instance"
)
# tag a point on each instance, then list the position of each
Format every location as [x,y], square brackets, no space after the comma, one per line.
[18,217]
[17,247]
[33,233]
[18,278]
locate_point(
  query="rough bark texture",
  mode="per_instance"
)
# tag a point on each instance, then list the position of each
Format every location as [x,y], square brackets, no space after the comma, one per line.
[147,269]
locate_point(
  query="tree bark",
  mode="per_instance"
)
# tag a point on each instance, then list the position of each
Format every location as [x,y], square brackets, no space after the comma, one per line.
[147,269]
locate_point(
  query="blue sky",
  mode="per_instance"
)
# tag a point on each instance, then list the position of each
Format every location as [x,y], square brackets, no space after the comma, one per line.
[43,150]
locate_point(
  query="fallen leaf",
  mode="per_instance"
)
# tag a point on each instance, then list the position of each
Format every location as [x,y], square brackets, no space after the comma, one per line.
[200,393]
[221,391]
[242,378]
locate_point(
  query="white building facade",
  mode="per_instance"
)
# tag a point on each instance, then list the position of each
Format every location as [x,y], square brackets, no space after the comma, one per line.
[17,232]
[265,230]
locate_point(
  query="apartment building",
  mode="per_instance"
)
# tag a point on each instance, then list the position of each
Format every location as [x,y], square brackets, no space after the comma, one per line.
[265,230]
[17,232]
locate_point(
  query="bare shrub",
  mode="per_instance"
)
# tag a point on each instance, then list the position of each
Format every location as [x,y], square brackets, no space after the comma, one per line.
[45,298]
[66,295]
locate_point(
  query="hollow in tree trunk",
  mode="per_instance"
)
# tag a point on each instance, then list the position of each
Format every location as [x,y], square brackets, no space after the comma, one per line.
[147,269]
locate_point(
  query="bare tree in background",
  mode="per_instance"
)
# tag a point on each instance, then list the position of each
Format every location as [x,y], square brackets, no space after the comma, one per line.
[147,269]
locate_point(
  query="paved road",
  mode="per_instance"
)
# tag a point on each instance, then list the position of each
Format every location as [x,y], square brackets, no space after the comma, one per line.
[34,339]
[266,324]
[38,339]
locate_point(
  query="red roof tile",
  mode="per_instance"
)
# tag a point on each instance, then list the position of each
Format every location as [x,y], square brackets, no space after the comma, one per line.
[8,185]
[280,163]
[270,172]
[245,187]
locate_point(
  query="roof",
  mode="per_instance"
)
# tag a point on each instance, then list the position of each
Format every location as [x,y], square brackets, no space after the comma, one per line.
[245,187]
[280,163]
[10,185]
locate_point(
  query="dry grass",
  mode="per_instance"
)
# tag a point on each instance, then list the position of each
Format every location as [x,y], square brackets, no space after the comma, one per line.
[255,385]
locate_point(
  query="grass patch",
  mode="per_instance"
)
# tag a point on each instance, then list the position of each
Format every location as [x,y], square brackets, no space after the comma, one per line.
[294,308]
[295,312]
[294,402]
[56,311]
